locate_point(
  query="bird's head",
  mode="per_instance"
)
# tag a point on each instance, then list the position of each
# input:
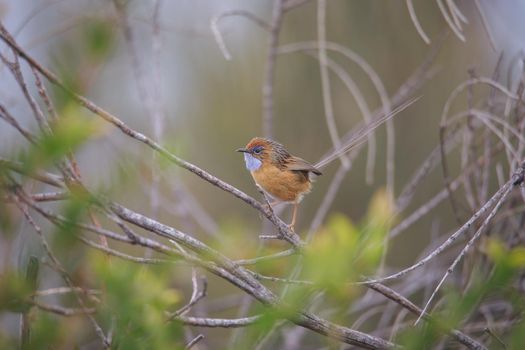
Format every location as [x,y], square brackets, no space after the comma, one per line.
[258,151]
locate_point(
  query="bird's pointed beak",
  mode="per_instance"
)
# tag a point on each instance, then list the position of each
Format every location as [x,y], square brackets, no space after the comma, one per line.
[243,150]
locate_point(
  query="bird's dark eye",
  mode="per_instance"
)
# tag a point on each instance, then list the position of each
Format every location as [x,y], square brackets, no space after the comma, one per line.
[257,150]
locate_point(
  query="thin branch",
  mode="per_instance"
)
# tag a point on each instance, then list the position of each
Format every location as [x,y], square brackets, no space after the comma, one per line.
[292,4]
[473,81]
[197,295]
[443,124]
[486,26]
[214,24]
[16,71]
[62,311]
[65,290]
[63,273]
[449,21]
[5,115]
[45,197]
[194,341]
[269,70]
[328,199]
[415,21]
[408,305]
[118,254]
[47,178]
[218,322]
[432,160]
[325,80]
[439,197]
[259,259]
[508,188]
[155,109]
[495,198]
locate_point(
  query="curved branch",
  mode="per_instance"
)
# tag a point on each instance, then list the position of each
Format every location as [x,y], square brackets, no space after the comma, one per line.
[214,25]
[415,20]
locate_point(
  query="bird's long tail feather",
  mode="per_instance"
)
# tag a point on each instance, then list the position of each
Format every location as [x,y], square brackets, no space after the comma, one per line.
[360,135]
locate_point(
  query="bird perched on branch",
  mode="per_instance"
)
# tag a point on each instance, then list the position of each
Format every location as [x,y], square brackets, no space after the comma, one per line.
[287,178]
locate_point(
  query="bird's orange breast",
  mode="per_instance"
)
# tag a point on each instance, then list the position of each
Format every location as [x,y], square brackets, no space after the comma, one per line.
[284,185]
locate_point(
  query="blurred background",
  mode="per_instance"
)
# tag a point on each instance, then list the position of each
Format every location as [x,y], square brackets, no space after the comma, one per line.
[173,83]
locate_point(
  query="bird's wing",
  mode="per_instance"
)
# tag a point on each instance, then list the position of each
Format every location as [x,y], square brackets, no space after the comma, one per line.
[299,164]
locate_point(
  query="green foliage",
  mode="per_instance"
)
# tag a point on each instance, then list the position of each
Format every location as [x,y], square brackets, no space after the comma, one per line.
[69,132]
[74,210]
[5,215]
[32,272]
[136,299]
[77,58]
[421,337]
[48,331]
[15,291]
[341,252]
[99,38]
[6,342]
[268,320]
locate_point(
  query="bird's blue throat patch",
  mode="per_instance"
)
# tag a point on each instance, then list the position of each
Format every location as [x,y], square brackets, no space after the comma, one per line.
[252,163]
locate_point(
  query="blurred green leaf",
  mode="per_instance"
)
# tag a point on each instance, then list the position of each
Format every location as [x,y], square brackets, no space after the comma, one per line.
[517,336]
[6,341]
[420,337]
[137,298]
[74,210]
[99,38]
[5,215]
[374,231]
[77,57]
[69,133]
[329,259]
[341,253]
[14,292]
[32,270]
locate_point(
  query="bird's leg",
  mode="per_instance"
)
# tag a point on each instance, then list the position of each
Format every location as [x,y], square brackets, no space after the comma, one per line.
[266,199]
[273,204]
[294,215]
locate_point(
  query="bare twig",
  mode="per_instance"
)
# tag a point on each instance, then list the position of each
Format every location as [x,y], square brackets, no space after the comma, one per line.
[194,341]
[495,199]
[517,179]
[62,271]
[46,197]
[47,178]
[269,70]
[450,22]
[196,296]
[325,79]
[485,24]
[214,24]
[408,305]
[218,322]
[259,259]
[62,311]
[413,17]
[292,4]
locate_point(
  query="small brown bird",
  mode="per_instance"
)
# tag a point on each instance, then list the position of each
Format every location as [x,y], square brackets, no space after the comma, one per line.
[287,178]
[284,177]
